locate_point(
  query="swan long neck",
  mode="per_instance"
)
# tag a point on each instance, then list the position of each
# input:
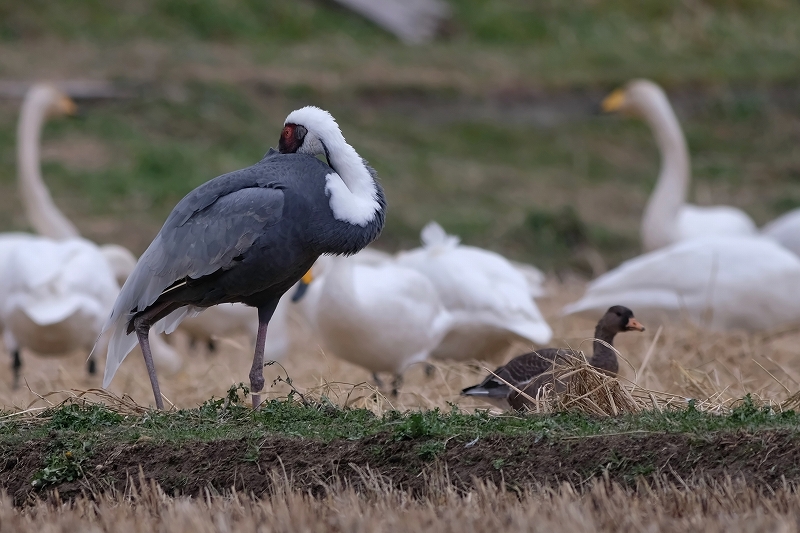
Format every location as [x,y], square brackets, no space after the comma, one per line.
[40,209]
[604,357]
[660,220]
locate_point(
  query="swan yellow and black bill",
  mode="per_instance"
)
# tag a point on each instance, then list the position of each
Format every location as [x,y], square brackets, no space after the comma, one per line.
[614,101]
[302,286]
[68,106]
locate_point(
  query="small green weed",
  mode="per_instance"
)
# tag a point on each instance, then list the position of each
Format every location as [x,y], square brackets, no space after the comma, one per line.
[63,464]
[429,450]
[74,417]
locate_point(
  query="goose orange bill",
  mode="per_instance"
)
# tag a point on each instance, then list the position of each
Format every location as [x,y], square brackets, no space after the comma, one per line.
[634,324]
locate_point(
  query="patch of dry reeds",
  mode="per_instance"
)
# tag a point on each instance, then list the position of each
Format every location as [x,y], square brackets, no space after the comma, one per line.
[727,506]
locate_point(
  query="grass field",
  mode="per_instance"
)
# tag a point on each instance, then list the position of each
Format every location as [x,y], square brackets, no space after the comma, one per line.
[492,130]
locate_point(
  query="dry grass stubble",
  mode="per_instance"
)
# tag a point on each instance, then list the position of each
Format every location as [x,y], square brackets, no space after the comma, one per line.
[724,507]
[681,362]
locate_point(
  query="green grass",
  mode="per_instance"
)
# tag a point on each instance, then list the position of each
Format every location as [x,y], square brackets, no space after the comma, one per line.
[72,433]
[226,419]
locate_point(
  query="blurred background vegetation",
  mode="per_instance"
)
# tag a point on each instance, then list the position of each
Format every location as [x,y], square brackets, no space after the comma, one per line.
[491,129]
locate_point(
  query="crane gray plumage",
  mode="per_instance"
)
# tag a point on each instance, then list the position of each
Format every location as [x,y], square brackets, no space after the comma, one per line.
[249,235]
[529,372]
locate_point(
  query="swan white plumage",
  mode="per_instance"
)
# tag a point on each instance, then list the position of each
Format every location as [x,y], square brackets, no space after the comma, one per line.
[667,217]
[43,101]
[490,300]
[721,283]
[227,320]
[383,317]
[785,230]
[55,295]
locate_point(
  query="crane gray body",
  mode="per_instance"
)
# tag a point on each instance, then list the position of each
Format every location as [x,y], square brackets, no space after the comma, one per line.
[246,236]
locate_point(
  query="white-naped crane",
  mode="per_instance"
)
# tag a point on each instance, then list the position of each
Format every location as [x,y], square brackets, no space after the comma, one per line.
[248,236]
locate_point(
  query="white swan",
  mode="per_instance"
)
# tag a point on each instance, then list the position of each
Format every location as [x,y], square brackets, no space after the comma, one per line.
[26,285]
[667,217]
[55,296]
[233,319]
[490,300]
[382,317]
[721,283]
[42,101]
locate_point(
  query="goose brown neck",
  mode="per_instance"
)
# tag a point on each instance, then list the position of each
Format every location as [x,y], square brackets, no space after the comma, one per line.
[604,357]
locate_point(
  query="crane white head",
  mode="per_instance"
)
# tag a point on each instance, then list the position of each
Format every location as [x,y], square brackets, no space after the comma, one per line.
[351,186]
[311,130]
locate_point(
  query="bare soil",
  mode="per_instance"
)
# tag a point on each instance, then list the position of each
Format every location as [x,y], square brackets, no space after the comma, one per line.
[767,459]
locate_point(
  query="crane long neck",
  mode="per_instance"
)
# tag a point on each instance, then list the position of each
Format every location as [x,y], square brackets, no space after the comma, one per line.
[40,209]
[351,167]
[660,220]
[604,357]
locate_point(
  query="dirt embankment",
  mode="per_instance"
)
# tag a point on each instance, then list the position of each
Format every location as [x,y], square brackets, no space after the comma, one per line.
[766,458]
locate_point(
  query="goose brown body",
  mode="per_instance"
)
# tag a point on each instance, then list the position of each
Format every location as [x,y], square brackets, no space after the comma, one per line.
[526,374]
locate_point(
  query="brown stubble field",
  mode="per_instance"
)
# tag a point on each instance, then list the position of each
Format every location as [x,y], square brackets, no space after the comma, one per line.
[683,362]
[724,506]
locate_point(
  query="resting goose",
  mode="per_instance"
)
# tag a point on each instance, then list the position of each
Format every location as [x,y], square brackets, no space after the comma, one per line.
[531,371]
[667,217]
[490,299]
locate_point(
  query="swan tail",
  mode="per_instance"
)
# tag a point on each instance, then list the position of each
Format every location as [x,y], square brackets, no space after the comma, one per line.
[537,332]
[434,236]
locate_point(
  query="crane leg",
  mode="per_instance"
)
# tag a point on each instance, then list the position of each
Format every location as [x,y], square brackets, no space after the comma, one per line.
[141,324]
[257,370]
[143,333]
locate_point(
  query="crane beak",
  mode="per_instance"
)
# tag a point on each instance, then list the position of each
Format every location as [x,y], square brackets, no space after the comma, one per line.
[613,102]
[634,325]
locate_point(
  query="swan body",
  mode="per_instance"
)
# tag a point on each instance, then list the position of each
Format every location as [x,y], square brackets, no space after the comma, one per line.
[722,283]
[227,320]
[382,317]
[488,297]
[47,304]
[667,218]
[785,230]
[42,101]
[56,295]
